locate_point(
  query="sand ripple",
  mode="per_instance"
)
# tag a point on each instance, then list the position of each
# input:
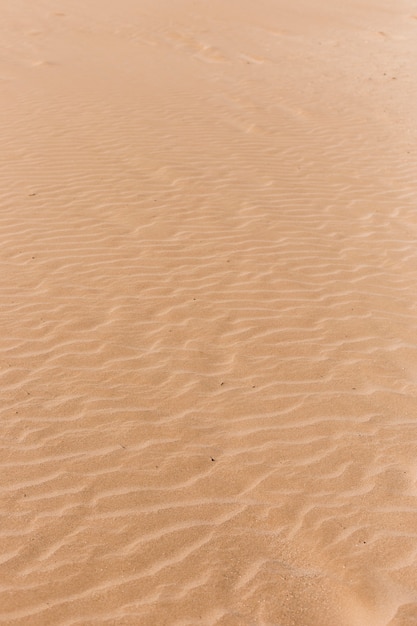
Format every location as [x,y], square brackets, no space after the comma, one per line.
[208,353]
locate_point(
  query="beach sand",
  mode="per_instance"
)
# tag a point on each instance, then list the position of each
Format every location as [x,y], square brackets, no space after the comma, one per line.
[208,313]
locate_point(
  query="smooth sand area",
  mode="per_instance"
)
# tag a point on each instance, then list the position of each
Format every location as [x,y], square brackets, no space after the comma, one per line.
[208,312]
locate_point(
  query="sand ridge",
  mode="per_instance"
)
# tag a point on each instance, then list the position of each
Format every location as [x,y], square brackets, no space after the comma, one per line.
[208,310]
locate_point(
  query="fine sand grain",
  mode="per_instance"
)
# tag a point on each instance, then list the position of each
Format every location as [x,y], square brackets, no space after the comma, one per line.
[208,311]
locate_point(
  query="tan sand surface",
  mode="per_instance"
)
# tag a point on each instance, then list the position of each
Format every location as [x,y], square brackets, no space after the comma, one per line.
[208,312]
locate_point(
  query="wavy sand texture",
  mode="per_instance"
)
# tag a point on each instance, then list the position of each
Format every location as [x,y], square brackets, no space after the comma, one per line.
[209,313]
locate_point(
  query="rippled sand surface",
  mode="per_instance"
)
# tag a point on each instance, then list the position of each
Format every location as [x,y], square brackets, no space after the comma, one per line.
[208,313]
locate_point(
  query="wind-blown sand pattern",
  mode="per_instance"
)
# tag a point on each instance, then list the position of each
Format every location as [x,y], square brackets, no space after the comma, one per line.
[209,313]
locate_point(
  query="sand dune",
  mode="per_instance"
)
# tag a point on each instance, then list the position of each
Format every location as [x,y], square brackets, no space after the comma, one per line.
[209,313]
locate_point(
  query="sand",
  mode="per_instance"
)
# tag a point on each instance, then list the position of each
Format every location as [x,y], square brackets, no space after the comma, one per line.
[208,313]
